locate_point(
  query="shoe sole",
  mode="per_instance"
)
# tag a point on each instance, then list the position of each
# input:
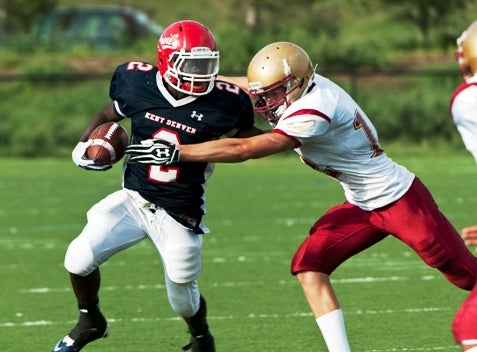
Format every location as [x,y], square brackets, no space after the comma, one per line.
[106,332]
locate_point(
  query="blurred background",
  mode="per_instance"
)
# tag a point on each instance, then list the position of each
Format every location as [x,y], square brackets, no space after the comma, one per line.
[396,57]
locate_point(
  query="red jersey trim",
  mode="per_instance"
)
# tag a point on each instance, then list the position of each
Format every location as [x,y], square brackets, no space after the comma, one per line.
[299,113]
[309,112]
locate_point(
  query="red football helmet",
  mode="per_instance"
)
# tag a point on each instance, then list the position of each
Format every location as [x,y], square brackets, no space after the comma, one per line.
[187,57]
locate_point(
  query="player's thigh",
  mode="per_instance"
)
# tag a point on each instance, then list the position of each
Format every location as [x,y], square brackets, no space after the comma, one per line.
[113,225]
[179,247]
[340,233]
[417,221]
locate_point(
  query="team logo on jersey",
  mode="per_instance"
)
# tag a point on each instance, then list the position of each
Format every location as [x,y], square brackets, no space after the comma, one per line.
[196,116]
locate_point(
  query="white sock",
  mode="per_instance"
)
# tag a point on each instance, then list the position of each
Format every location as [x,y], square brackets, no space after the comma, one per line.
[473,349]
[333,330]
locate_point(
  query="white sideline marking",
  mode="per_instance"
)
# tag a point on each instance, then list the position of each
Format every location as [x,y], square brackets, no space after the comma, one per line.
[306,315]
[358,280]
[230,317]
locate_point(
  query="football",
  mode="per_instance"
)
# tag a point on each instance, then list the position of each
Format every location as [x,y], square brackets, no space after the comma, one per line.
[110,140]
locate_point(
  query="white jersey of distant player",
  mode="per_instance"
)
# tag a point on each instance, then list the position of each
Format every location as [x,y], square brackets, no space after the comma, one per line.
[338,139]
[464,115]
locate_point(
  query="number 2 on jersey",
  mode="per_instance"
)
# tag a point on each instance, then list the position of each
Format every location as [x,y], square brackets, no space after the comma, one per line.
[161,173]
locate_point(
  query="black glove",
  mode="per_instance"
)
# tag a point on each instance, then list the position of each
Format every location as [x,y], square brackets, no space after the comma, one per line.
[153,151]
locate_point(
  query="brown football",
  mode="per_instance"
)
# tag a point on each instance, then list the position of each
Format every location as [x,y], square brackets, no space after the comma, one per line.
[110,140]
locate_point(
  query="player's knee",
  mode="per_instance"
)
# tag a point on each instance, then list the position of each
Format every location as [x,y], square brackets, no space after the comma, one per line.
[458,275]
[183,307]
[184,299]
[184,265]
[79,258]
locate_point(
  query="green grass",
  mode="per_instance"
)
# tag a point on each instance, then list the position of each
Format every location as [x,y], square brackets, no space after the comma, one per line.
[259,212]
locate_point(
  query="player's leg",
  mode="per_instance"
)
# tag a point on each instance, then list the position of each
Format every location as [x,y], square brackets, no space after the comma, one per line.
[325,308]
[187,302]
[335,237]
[416,220]
[180,249]
[464,326]
[472,348]
[110,229]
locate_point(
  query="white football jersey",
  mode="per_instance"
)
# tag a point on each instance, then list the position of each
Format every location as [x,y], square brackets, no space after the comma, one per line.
[464,113]
[336,137]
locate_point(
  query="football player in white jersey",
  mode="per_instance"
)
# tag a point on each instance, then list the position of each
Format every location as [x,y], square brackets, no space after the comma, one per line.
[330,133]
[463,110]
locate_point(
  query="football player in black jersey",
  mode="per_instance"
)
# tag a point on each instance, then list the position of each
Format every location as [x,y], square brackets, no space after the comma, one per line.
[181,101]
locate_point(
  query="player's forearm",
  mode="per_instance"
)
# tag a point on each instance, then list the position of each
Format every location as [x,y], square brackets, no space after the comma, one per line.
[226,150]
[233,150]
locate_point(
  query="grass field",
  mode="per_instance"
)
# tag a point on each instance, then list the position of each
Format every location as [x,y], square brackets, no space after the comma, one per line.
[259,212]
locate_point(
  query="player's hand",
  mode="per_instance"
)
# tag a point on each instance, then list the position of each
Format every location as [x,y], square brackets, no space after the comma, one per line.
[79,158]
[153,151]
[469,234]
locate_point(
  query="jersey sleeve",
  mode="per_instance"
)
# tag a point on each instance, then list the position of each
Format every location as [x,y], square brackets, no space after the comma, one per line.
[129,85]
[246,112]
[116,89]
[464,105]
[231,100]
[464,115]
[309,116]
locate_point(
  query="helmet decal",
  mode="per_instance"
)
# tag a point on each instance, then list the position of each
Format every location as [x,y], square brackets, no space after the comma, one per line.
[169,42]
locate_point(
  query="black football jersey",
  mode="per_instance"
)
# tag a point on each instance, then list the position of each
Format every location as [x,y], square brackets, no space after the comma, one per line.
[139,93]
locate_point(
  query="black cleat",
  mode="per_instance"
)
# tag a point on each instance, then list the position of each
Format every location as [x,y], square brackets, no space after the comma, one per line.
[201,343]
[83,333]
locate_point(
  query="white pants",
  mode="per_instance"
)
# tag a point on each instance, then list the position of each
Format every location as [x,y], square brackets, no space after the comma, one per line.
[121,220]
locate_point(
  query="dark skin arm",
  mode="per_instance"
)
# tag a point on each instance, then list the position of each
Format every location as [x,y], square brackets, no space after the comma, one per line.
[233,150]
[105,115]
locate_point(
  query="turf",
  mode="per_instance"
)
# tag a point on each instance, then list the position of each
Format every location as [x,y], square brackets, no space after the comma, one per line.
[259,212]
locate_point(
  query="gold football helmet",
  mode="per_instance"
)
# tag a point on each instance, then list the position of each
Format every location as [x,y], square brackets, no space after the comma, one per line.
[278,75]
[466,53]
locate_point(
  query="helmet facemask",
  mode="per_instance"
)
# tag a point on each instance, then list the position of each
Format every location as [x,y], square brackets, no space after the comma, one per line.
[193,72]
[278,75]
[187,57]
[272,101]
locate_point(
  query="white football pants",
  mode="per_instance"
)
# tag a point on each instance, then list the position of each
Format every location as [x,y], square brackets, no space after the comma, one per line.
[121,220]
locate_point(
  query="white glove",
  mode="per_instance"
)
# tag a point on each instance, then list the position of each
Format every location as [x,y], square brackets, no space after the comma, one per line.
[79,157]
[153,151]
